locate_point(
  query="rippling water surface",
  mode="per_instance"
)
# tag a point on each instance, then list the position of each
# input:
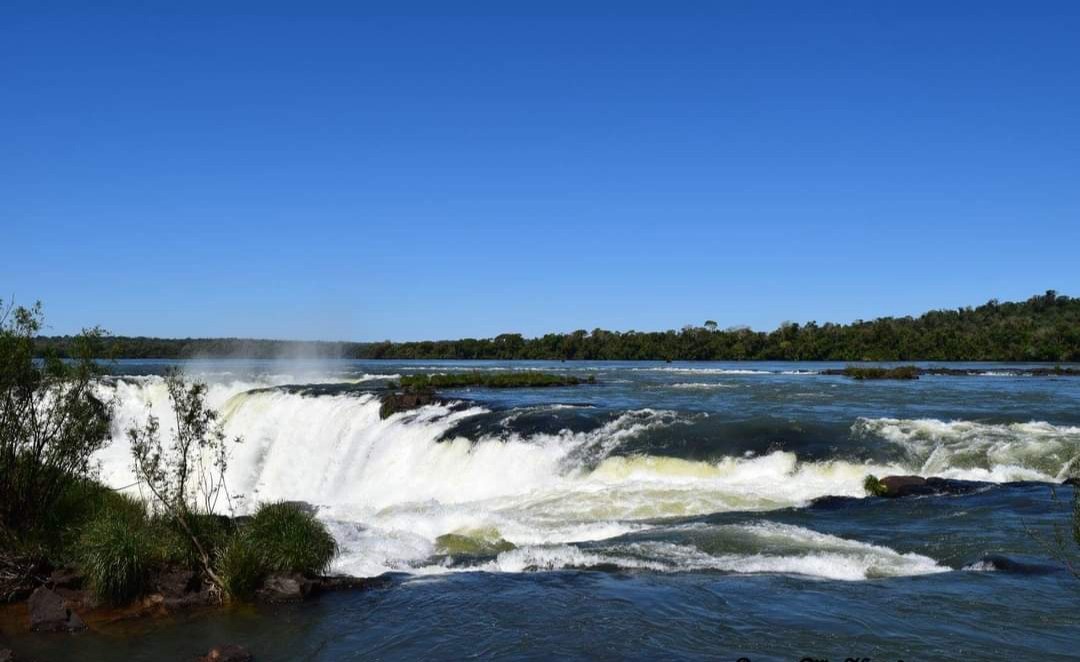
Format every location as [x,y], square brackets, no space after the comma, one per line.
[666,511]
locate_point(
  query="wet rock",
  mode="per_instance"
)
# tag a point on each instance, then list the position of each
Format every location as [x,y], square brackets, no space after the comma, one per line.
[897,486]
[833,502]
[1074,481]
[285,588]
[1002,563]
[350,583]
[393,403]
[904,486]
[227,653]
[49,613]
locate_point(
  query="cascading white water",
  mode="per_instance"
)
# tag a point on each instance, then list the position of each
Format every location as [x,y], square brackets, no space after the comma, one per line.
[389,488]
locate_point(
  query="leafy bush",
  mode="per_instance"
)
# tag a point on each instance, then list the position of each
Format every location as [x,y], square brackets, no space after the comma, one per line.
[117,549]
[873,486]
[290,539]
[51,420]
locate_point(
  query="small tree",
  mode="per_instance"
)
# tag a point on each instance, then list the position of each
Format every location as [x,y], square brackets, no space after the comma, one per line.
[188,475]
[51,420]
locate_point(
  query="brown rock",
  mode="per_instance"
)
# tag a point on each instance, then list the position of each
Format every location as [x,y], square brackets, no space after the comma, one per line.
[285,588]
[227,653]
[49,613]
[896,486]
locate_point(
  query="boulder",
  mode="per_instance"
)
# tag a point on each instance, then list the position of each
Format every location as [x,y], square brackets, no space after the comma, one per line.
[227,653]
[351,583]
[897,486]
[49,613]
[904,486]
[393,403]
[285,588]
[174,583]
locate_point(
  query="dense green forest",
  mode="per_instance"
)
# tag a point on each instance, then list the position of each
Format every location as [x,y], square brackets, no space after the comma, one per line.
[1046,327]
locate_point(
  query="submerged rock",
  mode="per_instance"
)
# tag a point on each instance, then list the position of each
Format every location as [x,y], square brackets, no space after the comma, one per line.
[285,588]
[227,653]
[479,543]
[1001,563]
[50,613]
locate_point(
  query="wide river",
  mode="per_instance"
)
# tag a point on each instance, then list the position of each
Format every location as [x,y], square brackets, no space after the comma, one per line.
[666,512]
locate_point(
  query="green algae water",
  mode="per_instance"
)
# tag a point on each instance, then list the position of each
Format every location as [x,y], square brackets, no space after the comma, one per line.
[668,511]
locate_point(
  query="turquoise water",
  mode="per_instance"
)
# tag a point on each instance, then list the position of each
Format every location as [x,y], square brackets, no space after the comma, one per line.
[669,511]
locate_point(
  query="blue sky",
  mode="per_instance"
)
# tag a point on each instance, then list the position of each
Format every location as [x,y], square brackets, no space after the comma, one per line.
[310,170]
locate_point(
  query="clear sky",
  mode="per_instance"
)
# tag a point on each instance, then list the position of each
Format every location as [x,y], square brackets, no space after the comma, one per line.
[310,170]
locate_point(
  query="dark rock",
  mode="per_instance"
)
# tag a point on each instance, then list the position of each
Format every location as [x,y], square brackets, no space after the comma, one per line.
[174,583]
[833,502]
[227,653]
[7,655]
[1074,481]
[905,486]
[897,486]
[1001,563]
[69,578]
[49,613]
[285,588]
[350,583]
[393,403]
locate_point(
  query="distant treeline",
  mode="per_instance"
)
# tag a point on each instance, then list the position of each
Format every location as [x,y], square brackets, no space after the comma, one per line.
[1044,328]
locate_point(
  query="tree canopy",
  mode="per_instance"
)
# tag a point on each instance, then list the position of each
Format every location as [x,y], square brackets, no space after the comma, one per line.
[1046,327]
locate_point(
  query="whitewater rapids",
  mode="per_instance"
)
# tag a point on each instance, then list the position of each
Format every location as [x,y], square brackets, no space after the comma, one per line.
[388,489]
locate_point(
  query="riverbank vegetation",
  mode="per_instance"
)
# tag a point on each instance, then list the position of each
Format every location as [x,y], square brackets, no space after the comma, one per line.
[55,515]
[1046,327]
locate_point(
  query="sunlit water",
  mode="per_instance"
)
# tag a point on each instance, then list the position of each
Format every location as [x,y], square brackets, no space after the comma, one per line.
[666,511]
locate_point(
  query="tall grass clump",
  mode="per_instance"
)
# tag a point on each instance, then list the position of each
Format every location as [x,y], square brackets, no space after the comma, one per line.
[290,539]
[117,549]
[241,568]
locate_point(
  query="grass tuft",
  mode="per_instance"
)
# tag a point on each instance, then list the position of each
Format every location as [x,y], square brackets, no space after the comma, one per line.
[117,548]
[290,539]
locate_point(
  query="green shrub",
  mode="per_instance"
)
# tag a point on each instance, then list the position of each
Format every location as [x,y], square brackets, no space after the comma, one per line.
[241,567]
[117,548]
[873,486]
[290,539]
